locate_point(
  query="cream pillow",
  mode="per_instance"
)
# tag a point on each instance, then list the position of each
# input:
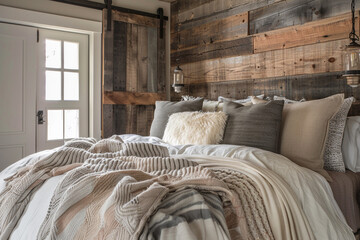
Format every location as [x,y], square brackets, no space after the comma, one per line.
[198,128]
[304,131]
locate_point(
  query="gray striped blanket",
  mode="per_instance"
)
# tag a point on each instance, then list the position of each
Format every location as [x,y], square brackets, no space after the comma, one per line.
[116,190]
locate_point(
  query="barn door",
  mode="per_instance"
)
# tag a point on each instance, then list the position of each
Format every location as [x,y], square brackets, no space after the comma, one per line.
[133,73]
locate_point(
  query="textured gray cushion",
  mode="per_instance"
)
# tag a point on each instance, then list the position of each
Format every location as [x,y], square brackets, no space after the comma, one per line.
[333,159]
[257,125]
[163,110]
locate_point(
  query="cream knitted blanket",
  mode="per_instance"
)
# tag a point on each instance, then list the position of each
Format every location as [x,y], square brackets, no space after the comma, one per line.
[113,195]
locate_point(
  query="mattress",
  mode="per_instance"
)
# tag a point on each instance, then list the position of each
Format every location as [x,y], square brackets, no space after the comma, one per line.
[346,190]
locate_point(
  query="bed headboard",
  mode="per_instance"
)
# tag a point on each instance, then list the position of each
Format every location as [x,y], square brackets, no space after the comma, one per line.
[291,49]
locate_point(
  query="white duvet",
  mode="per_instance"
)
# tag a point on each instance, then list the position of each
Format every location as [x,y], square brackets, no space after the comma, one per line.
[311,190]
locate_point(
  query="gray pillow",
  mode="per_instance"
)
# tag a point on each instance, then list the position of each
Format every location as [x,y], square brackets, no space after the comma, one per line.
[258,125]
[163,110]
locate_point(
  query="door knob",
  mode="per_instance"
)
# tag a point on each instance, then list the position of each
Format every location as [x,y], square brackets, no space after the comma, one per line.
[40,115]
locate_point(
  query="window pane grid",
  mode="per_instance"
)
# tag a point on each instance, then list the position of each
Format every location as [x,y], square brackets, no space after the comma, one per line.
[62,83]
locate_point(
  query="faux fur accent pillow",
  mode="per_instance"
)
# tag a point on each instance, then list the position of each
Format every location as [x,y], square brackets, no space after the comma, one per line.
[198,128]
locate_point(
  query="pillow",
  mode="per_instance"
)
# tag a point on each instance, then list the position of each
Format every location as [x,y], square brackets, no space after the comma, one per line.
[351,144]
[112,144]
[210,106]
[198,128]
[163,109]
[288,100]
[254,126]
[248,99]
[82,142]
[304,131]
[333,159]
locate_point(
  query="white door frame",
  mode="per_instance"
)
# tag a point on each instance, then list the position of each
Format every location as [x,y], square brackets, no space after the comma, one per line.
[70,24]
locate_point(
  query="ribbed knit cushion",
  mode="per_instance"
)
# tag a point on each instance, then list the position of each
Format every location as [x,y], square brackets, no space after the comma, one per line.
[333,158]
[198,128]
[257,125]
[163,110]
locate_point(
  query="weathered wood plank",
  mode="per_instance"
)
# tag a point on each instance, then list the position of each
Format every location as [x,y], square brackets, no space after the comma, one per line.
[134,98]
[310,87]
[108,46]
[161,64]
[225,29]
[310,59]
[107,121]
[152,68]
[132,58]
[107,74]
[210,11]
[325,30]
[119,56]
[142,59]
[135,19]
[295,12]
[141,120]
[119,119]
[238,47]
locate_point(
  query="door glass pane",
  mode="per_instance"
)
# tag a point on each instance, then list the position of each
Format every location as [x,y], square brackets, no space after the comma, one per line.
[53,53]
[53,85]
[71,123]
[71,55]
[71,86]
[55,124]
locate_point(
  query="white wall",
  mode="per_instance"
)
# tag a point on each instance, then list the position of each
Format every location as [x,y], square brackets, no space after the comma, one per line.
[56,8]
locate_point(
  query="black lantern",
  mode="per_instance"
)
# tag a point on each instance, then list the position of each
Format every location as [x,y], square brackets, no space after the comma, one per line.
[352,55]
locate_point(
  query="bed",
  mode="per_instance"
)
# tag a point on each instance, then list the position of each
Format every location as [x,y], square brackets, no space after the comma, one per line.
[135,187]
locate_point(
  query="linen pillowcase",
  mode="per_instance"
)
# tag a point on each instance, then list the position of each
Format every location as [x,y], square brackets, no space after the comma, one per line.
[197,128]
[351,144]
[163,109]
[255,125]
[288,100]
[333,159]
[304,131]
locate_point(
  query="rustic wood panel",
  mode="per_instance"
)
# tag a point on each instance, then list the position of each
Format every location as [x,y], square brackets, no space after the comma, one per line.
[295,12]
[134,74]
[134,98]
[230,28]
[296,48]
[310,59]
[326,30]
[212,10]
[238,47]
[310,87]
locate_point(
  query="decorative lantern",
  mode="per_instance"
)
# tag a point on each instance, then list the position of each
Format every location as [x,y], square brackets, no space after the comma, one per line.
[352,55]
[178,79]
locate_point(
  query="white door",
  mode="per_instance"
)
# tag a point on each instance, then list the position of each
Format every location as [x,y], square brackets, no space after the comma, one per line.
[18,68]
[62,96]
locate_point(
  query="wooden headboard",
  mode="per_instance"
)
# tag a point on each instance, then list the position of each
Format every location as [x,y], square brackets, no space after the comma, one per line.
[241,48]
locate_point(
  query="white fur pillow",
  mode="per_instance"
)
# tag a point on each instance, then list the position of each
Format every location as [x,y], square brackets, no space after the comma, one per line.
[198,128]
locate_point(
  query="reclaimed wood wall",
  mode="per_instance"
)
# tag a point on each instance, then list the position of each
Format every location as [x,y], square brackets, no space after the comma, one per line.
[237,48]
[133,73]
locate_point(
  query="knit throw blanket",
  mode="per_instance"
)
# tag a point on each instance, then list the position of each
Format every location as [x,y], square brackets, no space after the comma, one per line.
[115,190]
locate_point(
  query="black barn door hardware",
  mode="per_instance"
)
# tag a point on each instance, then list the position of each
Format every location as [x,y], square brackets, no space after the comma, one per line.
[101,6]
